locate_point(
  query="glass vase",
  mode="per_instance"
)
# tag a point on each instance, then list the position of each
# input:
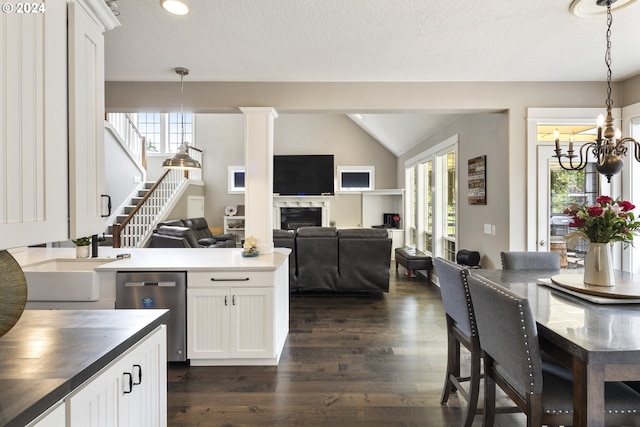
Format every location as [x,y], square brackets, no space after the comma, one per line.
[598,268]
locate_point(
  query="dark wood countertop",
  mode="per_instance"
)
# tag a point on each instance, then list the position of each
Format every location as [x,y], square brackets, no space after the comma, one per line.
[49,353]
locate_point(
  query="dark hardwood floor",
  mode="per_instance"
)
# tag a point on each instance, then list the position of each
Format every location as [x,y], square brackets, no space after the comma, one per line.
[348,361]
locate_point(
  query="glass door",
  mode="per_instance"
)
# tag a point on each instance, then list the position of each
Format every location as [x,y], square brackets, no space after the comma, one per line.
[557,190]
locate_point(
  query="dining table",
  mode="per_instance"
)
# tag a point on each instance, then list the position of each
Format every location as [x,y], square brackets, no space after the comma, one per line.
[598,339]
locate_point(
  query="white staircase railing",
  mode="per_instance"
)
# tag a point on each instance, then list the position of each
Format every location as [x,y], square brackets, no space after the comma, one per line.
[124,124]
[135,230]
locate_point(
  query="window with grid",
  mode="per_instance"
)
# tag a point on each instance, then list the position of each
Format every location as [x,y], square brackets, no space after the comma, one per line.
[150,126]
[163,131]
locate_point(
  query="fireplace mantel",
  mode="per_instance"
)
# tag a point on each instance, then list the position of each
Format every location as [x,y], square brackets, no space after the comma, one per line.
[301,202]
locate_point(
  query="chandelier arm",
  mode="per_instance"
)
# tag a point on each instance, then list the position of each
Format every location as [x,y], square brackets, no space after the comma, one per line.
[622,149]
[584,158]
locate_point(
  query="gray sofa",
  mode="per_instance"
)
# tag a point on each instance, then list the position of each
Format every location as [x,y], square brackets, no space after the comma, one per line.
[189,233]
[324,259]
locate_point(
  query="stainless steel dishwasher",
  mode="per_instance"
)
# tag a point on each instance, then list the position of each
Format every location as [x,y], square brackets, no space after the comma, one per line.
[165,289]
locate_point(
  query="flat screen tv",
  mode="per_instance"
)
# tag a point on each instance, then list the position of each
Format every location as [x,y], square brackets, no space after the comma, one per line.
[303,175]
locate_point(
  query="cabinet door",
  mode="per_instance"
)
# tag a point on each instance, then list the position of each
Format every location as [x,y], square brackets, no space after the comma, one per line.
[96,403]
[132,391]
[252,322]
[208,323]
[146,404]
[33,126]
[86,123]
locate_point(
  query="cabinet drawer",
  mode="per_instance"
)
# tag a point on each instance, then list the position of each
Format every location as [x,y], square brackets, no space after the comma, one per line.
[229,278]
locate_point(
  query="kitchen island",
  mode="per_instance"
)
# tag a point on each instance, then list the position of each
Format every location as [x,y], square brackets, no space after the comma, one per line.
[52,358]
[237,308]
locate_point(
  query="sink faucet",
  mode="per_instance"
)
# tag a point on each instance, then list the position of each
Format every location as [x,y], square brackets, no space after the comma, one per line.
[94,244]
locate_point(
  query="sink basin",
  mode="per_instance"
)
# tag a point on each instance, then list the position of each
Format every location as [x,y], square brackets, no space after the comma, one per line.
[64,279]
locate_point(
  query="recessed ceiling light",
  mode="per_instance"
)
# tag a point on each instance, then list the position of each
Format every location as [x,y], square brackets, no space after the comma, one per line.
[177,7]
[583,8]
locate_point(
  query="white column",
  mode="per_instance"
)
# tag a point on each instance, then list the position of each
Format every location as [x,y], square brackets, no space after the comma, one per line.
[258,193]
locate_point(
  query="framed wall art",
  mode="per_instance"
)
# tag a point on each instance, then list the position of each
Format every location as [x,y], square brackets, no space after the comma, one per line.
[477,193]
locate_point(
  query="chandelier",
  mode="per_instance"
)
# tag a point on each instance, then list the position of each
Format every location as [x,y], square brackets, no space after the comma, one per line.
[181,160]
[609,147]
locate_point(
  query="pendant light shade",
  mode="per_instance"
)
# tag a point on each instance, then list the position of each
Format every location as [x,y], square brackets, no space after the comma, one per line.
[181,160]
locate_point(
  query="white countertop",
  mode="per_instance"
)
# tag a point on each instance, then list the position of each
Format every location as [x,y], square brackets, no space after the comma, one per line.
[163,259]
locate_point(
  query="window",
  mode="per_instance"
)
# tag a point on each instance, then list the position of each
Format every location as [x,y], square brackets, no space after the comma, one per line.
[356,178]
[431,188]
[236,179]
[411,210]
[428,209]
[163,131]
[448,226]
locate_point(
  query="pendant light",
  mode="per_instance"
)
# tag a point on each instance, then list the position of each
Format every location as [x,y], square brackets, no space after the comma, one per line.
[609,147]
[181,160]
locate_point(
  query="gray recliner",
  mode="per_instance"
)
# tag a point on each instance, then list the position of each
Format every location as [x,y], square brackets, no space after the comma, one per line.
[317,259]
[364,257]
[287,239]
[174,234]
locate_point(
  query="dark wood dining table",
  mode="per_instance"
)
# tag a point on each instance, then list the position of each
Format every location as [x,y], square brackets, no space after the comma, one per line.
[598,342]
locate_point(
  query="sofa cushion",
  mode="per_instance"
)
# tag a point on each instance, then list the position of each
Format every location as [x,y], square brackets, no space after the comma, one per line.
[174,223]
[364,233]
[200,226]
[317,259]
[182,232]
[364,257]
[316,232]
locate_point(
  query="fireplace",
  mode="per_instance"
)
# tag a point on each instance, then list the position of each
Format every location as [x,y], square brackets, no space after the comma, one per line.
[293,218]
[291,212]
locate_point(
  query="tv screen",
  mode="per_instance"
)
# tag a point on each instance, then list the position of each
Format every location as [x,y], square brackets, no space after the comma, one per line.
[303,175]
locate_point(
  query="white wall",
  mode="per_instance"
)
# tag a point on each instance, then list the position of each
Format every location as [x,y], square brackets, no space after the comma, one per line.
[121,172]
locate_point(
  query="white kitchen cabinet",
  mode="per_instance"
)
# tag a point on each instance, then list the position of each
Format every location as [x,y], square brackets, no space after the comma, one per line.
[230,323]
[33,119]
[236,318]
[53,178]
[131,391]
[88,19]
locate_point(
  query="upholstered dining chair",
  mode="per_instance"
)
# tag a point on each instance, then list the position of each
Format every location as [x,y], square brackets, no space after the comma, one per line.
[461,329]
[530,260]
[512,359]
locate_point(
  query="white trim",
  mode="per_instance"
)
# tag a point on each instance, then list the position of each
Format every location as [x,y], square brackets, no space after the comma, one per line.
[231,188]
[436,155]
[421,158]
[372,178]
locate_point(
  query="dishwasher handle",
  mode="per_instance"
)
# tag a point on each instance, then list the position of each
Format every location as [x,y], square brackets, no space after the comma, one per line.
[167,284]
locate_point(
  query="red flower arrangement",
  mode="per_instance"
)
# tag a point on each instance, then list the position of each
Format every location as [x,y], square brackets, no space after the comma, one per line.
[606,221]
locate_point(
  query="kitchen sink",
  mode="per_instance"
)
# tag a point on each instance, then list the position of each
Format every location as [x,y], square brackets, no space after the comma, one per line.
[64,279]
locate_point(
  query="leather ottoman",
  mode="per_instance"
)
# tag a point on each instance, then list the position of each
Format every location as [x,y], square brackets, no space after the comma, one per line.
[413,259]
